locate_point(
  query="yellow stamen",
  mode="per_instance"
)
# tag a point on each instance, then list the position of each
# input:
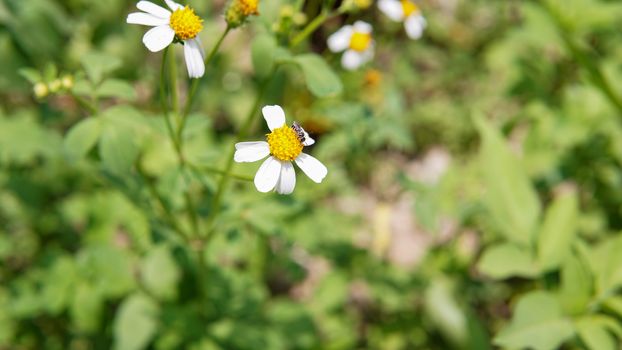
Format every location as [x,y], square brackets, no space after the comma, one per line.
[360,41]
[186,23]
[409,7]
[249,7]
[284,143]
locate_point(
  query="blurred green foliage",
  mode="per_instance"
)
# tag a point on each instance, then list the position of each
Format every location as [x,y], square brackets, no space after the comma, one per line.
[513,241]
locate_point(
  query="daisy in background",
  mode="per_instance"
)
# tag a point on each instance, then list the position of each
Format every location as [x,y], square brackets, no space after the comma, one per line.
[180,25]
[284,145]
[405,11]
[356,41]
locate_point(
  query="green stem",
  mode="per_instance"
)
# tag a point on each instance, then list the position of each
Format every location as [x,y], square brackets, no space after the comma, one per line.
[173,80]
[224,180]
[310,28]
[195,85]
[219,172]
[164,104]
[89,106]
[583,58]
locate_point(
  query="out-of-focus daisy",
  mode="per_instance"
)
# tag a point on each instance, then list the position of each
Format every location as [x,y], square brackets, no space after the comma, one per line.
[285,144]
[356,41]
[181,25]
[405,11]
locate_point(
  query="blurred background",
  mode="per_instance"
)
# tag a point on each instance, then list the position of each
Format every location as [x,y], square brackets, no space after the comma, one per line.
[474,195]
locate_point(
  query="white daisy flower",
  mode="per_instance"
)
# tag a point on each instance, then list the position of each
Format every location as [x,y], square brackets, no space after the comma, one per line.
[356,41]
[181,25]
[284,145]
[405,11]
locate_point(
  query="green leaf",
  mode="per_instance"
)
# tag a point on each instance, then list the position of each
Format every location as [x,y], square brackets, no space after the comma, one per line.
[537,323]
[606,262]
[160,273]
[135,323]
[59,289]
[507,260]
[320,78]
[510,197]
[576,285]
[116,88]
[97,65]
[81,138]
[594,331]
[444,311]
[118,150]
[32,75]
[262,54]
[558,231]
[86,308]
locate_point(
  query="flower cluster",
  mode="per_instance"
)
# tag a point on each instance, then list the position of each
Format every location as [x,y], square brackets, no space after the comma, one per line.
[356,40]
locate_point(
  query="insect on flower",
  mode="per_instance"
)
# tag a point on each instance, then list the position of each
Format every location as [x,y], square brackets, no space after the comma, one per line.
[356,41]
[284,145]
[181,25]
[405,11]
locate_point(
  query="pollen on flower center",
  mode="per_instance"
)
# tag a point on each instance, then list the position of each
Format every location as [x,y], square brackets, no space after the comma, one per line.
[409,7]
[284,143]
[186,23]
[249,7]
[360,41]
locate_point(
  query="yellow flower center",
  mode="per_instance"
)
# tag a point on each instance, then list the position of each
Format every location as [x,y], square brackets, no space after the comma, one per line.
[284,143]
[409,7]
[249,7]
[186,23]
[360,41]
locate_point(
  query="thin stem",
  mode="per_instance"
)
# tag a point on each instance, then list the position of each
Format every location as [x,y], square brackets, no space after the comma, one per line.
[86,104]
[224,180]
[173,80]
[310,28]
[582,57]
[195,85]
[164,104]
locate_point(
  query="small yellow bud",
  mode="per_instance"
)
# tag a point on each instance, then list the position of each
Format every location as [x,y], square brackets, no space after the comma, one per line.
[239,10]
[287,11]
[41,90]
[67,82]
[300,19]
[362,4]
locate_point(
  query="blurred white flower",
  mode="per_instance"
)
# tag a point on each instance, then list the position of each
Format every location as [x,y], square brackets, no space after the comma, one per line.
[356,41]
[182,25]
[405,11]
[284,145]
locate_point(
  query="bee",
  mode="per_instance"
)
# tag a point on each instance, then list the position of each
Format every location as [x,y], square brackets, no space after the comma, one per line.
[300,132]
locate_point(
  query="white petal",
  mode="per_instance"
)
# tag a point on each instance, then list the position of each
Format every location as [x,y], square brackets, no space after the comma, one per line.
[154,9]
[156,39]
[287,180]
[251,151]
[274,116]
[268,175]
[145,19]
[194,58]
[340,40]
[314,169]
[351,60]
[414,26]
[392,8]
[362,27]
[173,5]
[308,140]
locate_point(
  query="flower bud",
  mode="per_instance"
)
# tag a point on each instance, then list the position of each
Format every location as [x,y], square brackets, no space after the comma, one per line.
[41,90]
[239,10]
[67,82]
[55,86]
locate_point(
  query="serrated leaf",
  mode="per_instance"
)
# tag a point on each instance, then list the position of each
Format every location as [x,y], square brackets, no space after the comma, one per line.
[160,273]
[81,138]
[319,76]
[135,323]
[116,88]
[558,231]
[537,323]
[510,197]
[98,65]
[507,260]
